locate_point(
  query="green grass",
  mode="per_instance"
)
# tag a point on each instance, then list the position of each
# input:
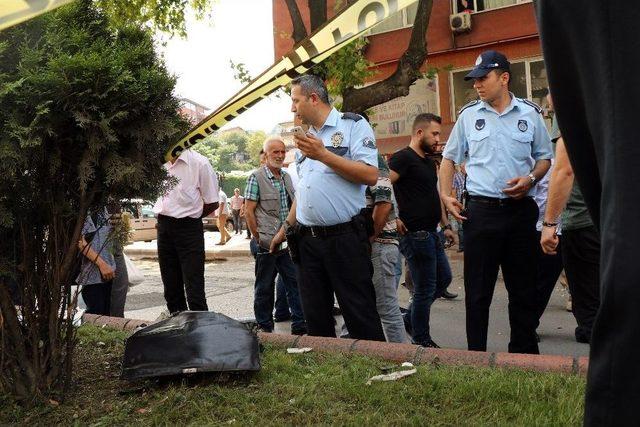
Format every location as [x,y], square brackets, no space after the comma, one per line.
[312,388]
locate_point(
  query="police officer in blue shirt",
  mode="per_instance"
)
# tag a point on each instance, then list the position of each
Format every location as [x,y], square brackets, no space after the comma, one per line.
[507,149]
[338,158]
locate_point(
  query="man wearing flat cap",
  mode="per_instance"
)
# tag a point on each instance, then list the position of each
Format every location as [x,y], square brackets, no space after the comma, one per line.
[506,150]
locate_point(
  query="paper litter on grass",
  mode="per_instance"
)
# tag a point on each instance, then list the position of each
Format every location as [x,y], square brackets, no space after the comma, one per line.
[392,376]
[295,350]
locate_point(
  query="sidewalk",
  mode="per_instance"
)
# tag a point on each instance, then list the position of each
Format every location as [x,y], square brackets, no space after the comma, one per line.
[237,246]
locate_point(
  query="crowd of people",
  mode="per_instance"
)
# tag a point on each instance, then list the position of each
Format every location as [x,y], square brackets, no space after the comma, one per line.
[341,221]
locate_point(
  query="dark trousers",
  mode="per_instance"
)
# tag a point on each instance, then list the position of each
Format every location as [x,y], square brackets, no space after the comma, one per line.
[236,220]
[181,258]
[267,266]
[340,264]
[549,269]
[501,236]
[581,255]
[282,306]
[97,298]
[600,128]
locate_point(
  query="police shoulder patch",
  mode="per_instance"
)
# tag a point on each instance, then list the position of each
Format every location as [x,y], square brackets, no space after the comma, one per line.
[470,104]
[531,104]
[352,116]
[369,143]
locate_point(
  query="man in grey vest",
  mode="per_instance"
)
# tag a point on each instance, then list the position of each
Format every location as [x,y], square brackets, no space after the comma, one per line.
[268,198]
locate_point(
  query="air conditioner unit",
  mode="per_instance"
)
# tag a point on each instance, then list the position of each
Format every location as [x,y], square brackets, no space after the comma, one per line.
[460,22]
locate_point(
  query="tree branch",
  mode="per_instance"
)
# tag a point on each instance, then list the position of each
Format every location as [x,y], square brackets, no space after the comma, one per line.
[318,13]
[299,30]
[407,72]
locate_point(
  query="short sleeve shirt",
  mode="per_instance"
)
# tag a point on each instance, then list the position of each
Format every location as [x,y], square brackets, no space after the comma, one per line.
[323,197]
[416,190]
[498,146]
[101,243]
[382,192]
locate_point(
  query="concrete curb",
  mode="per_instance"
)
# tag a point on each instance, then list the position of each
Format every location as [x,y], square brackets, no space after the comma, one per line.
[208,255]
[395,352]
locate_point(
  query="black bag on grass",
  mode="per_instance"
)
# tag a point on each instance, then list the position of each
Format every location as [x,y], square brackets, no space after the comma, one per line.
[190,342]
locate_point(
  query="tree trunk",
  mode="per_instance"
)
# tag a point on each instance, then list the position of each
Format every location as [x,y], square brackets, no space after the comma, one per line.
[407,72]
[396,85]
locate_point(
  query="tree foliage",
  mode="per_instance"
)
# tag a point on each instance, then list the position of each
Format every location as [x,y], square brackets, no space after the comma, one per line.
[168,16]
[86,113]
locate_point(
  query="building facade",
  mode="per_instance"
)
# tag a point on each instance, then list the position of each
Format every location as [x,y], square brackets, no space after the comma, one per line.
[505,25]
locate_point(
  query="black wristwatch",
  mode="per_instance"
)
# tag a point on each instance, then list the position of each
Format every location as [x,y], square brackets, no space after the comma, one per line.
[549,224]
[447,227]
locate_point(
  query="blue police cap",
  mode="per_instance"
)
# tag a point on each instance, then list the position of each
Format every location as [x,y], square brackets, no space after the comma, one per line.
[487,61]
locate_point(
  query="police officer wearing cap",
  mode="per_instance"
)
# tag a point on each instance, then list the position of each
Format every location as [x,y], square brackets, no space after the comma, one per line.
[506,149]
[338,158]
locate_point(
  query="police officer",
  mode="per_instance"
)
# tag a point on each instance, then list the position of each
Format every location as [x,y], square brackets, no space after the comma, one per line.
[507,149]
[338,158]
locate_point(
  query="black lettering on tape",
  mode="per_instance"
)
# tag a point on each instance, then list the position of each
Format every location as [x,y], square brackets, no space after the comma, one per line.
[176,151]
[294,58]
[230,117]
[377,8]
[194,140]
[292,74]
[310,48]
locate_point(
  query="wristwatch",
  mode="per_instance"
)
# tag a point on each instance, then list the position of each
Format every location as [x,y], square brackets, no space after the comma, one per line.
[549,224]
[533,179]
[447,227]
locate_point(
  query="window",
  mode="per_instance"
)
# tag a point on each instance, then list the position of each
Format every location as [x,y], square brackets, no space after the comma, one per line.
[401,19]
[528,80]
[480,5]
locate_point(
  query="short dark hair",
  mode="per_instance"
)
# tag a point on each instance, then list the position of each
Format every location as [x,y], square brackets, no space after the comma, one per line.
[312,84]
[425,118]
[499,72]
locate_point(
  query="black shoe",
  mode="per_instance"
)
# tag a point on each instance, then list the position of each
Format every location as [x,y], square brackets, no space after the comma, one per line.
[261,329]
[429,344]
[299,331]
[583,336]
[282,319]
[448,295]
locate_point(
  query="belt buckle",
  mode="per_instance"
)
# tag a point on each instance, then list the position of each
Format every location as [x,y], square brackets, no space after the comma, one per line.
[313,233]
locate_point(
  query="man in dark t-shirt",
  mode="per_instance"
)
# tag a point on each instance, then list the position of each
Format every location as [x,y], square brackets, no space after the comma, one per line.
[415,183]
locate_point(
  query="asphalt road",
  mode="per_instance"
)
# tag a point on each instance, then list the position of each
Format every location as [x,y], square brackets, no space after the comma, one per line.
[229,290]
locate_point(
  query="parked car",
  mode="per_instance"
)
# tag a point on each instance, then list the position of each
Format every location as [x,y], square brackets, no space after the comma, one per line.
[210,222]
[142,220]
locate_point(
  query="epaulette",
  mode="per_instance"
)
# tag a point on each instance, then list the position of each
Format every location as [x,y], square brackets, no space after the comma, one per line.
[352,116]
[531,104]
[470,104]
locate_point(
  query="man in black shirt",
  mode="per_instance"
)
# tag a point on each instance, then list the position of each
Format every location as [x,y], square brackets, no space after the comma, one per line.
[415,183]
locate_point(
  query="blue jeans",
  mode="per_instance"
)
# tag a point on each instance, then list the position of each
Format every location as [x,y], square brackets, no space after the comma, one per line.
[267,266]
[420,248]
[444,276]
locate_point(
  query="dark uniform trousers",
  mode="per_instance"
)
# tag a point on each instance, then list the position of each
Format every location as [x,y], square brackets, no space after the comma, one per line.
[593,77]
[581,255]
[181,259]
[549,270]
[341,264]
[501,236]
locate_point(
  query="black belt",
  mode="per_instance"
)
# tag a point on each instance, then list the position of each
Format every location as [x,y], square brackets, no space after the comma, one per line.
[494,201]
[326,231]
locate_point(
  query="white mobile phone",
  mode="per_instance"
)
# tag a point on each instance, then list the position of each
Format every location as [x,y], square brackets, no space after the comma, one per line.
[296,130]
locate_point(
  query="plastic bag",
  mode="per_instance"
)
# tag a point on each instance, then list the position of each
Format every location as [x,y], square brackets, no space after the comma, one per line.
[136,276]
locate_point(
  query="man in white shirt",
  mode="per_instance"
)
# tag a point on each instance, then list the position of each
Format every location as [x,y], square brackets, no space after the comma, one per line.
[180,232]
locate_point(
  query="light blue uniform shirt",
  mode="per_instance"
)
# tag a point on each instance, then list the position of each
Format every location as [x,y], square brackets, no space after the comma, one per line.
[498,147]
[324,197]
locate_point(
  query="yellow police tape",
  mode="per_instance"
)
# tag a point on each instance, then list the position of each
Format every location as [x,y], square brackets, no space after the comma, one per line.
[13,12]
[335,34]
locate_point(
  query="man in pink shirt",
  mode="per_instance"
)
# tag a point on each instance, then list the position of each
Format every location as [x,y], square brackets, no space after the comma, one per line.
[236,204]
[180,232]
